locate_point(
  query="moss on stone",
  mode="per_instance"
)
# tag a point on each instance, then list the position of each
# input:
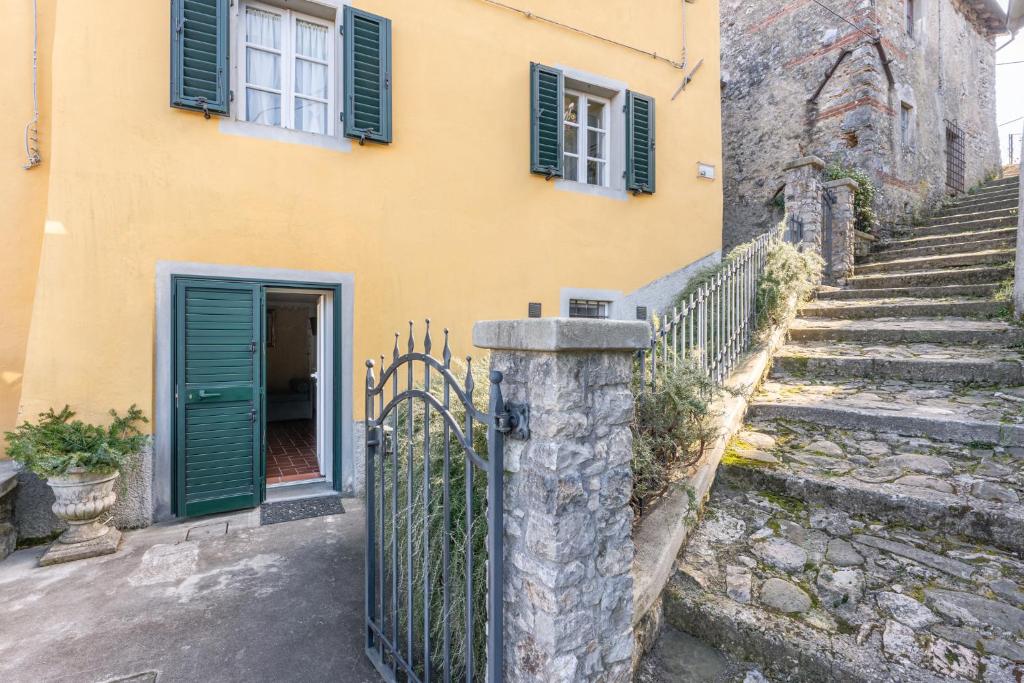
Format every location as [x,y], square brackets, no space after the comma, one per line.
[794,506]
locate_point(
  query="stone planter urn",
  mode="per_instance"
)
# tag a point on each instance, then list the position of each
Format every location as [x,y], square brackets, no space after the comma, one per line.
[82,500]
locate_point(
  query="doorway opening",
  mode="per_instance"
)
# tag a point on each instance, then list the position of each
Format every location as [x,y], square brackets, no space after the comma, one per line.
[295,440]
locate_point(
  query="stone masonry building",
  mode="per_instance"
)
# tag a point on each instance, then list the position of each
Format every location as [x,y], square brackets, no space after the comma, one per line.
[904,89]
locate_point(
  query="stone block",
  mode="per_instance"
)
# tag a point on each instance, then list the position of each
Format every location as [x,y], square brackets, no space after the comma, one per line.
[59,553]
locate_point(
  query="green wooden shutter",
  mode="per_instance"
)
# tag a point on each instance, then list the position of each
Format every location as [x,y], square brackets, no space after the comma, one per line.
[199,55]
[217,376]
[367,76]
[547,92]
[639,143]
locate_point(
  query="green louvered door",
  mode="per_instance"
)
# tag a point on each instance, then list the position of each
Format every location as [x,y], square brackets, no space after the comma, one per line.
[217,375]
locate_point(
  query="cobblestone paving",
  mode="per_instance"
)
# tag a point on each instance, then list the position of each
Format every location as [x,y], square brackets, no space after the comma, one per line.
[860,529]
[919,351]
[910,597]
[995,404]
[983,471]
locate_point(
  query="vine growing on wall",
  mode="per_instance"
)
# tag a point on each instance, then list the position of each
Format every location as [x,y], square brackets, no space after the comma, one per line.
[863,196]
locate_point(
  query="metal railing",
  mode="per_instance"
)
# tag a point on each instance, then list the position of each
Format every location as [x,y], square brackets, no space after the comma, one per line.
[716,323]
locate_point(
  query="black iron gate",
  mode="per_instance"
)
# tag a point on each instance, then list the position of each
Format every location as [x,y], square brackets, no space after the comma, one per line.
[434,515]
[827,219]
[794,230]
[956,160]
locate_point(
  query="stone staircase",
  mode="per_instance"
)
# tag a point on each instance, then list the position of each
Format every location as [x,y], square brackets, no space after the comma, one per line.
[868,524]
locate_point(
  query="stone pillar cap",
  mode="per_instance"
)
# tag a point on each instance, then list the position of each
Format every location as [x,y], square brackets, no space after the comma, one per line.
[850,182]
[805,161]
[562,334]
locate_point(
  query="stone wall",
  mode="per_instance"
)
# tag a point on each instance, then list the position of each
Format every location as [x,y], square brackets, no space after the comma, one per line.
[775,56]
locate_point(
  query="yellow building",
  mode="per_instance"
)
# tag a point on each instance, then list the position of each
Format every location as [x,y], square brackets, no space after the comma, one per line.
[305,176]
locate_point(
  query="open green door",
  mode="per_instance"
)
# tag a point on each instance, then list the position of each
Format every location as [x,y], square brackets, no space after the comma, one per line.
[218,390]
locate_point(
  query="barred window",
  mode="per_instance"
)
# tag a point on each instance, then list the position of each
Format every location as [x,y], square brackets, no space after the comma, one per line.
[588,308]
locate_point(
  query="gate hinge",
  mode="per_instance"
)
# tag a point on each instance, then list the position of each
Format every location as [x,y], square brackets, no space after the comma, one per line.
[374,436]
[515,421]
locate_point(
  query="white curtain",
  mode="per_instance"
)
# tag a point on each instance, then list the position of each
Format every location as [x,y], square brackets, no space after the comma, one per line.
[263,68]
[263,28]
[311,40]
[310,77]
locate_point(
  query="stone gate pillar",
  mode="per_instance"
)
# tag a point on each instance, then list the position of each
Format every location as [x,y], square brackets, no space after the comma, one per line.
[803,198]
[568,591]
[843,226]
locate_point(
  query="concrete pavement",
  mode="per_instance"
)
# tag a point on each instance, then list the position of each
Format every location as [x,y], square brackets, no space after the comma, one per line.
[218,599]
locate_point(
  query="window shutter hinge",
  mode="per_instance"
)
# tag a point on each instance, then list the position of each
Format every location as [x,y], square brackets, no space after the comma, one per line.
[252,347]
[341,29]
[231,95]
[341,116]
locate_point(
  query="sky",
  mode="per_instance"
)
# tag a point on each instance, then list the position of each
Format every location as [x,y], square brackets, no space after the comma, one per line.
[1010,90]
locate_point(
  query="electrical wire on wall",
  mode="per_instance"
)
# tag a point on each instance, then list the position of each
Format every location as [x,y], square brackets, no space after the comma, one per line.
[33,158]
[554,22]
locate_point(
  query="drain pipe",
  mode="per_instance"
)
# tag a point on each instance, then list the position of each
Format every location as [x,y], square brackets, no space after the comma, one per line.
[33,158]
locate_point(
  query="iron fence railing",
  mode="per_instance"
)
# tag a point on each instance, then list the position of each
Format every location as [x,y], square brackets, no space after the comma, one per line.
[715,325]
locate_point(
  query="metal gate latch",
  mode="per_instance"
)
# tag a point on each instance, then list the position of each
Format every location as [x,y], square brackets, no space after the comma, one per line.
[515,421]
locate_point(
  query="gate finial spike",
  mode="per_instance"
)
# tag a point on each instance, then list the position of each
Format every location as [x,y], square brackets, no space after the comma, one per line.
[394,354]
[412,342]
[426,339]
[369,374]
[469,377]
[446,355]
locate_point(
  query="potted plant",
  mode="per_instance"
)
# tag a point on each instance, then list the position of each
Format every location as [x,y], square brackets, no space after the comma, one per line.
[80,462]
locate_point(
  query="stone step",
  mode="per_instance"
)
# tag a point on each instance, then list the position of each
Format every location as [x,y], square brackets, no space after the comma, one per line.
[1008,213]
[999,195]
[908,330]
[953,238]
[997,204]
[915,504]
[980,243]
[903,307]
[1005,181]
[957,227]
[935,411]
[917,482]
[977,258]
[811,593]
[937,292]
[914,362]
[1000,185]
[934,278]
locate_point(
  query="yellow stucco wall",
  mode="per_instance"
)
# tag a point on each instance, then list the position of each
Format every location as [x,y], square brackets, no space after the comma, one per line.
[446,222]
[22,192]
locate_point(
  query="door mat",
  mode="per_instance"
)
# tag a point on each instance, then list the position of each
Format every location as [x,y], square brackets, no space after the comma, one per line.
[304,508]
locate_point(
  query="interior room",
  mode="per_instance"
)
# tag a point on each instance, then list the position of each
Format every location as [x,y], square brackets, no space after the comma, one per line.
[291,365]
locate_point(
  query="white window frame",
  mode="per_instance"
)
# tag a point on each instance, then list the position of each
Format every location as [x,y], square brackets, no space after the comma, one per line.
[288,59]
[584,130]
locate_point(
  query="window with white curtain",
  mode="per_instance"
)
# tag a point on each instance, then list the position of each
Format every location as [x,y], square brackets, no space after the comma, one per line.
[287,69]
[586,120]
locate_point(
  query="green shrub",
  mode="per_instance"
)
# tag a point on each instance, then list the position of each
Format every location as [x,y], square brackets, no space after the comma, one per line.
[863,197]
[672,426]
[56,443]
[787,272]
